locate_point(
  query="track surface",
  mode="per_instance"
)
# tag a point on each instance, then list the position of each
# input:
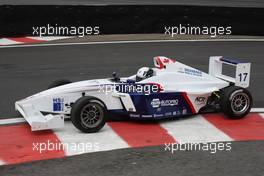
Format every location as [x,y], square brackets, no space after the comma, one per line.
[228,3]
[245,158]
[25,71]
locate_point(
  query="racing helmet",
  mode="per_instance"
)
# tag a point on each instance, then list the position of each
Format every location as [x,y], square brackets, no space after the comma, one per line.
[143,73]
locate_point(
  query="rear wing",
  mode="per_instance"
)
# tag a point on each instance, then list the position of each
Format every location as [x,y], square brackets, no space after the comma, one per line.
[242,72]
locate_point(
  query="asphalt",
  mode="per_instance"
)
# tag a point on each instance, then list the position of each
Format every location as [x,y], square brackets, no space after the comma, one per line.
[244,158]
[223,3]
[25,71]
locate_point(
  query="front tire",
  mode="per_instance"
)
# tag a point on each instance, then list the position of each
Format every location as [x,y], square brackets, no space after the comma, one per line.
[88,115]
[235,102]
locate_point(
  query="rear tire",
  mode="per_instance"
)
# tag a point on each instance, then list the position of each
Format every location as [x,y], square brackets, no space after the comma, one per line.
[88,115]
[235,102]
[59,82]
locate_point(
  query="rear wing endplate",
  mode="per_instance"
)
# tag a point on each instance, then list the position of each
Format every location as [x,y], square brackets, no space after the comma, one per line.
[242,72]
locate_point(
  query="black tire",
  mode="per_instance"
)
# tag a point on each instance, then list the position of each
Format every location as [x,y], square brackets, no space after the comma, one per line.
[233,99]
[80,115]
[59,82]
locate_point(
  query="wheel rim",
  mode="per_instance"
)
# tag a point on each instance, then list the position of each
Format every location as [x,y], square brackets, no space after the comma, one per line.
[240,103]
[91,115]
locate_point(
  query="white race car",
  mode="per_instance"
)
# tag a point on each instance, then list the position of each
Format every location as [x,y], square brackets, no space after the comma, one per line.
[168,90]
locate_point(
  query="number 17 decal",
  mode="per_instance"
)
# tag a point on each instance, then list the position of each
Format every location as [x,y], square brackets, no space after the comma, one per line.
[243,77]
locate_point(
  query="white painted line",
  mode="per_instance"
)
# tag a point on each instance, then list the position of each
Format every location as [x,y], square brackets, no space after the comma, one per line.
[131,41]
[194,130]
[259,110]
[11,121]
[262,114]
[2,162]
[104,140]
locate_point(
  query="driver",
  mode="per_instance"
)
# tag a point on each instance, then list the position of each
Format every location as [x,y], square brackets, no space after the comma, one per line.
[143,73]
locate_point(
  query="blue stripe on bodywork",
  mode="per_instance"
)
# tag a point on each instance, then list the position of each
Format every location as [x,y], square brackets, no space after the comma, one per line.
[231,61]
[160,105]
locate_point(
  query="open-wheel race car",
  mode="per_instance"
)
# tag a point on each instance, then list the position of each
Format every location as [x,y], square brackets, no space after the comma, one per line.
[168,90]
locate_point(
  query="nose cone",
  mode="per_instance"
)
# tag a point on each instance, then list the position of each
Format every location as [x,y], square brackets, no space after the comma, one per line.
[30,108]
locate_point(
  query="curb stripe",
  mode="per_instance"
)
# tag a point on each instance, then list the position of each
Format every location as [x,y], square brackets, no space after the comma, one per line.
[104,140]
[16,144]
[26,40]
[5,41]
[257,110]
[194,130]
[140,134]
[50,38]
[2,162]
[248,128]
[132,41]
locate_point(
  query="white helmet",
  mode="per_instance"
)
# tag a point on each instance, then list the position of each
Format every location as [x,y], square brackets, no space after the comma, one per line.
[144,73]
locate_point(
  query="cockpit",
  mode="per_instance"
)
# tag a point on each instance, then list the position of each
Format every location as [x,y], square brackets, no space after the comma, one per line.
[144,73]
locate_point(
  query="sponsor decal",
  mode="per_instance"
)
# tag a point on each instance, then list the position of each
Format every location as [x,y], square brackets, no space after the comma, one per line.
[134,115]
[200,100]
[158,115]
[176,113]
[169,102]
[192,72]
[180,70]
[184,110]
[168,114]
[58,104]
[147,116]
[155,103]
